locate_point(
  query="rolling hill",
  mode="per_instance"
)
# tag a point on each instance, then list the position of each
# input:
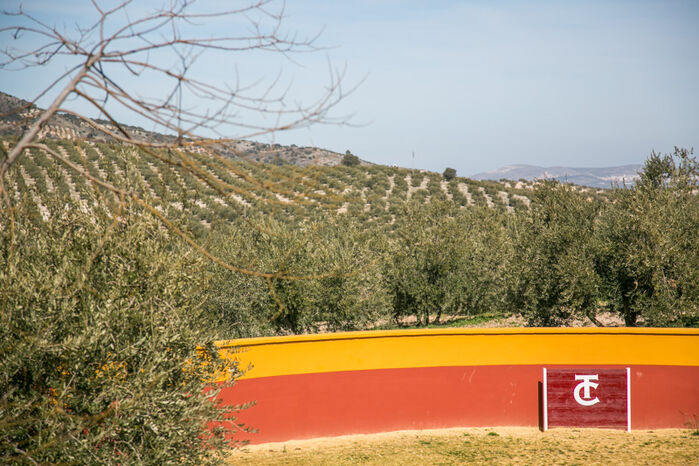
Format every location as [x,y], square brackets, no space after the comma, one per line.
[235,179]
[65,126]
[604,177]
[230,188]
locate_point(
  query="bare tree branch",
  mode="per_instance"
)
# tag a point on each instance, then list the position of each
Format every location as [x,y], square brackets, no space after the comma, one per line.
[124,45]
[143,45]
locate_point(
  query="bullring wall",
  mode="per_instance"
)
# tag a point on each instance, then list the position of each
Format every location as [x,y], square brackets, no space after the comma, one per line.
[364,382]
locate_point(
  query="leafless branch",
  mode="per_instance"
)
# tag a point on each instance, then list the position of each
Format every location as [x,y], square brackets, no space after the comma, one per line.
[108,58]
[111,51]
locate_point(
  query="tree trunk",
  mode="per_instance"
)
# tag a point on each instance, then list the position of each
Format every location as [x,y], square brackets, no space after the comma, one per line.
[593,319]
[629,317]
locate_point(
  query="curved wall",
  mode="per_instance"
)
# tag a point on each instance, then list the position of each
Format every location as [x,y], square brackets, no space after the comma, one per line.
[362,382]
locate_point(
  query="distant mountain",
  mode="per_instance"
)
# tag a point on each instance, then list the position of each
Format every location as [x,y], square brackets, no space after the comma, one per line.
[603,177]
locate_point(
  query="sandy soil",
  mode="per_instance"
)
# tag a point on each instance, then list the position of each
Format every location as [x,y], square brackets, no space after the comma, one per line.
[510,445]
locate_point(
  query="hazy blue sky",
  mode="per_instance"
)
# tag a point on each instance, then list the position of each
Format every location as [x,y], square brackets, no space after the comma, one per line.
[475,85]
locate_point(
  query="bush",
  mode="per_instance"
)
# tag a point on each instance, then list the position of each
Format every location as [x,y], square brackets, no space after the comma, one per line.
[449,174]
[99,335]
[350,160]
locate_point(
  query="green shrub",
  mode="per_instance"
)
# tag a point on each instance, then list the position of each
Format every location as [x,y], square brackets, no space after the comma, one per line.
[350,159]
[99,334]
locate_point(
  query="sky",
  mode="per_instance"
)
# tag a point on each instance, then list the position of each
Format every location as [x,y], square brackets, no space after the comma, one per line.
[472,85]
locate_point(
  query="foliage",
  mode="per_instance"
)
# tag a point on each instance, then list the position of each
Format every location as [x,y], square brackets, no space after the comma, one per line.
[636,256]
[350,160]
[345,293]
[648,241]
[99,335]
[550,274]
[440,263]
[449,174]
[563,255]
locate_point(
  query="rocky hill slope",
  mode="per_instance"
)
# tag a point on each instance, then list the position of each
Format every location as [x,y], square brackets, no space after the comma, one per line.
[16,114]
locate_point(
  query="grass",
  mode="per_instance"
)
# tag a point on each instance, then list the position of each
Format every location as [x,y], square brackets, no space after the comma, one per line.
[478,320]
[475,445]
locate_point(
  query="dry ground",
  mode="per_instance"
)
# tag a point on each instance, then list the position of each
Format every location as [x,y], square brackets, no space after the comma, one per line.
[499,445]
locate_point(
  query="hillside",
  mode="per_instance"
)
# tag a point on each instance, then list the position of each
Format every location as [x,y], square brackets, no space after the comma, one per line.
[373,194]
[370,191]
[16,113]
[603,178]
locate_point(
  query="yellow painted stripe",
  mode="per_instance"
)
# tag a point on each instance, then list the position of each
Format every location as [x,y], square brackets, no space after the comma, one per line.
[304,354]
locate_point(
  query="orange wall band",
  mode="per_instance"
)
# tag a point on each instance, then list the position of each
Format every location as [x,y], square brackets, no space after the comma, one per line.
[323,385]
[308,354]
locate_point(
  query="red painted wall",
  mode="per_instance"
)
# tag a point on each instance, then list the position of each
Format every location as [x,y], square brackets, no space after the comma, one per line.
[367,401]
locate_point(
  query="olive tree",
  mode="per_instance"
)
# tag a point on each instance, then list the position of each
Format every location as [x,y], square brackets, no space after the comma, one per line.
[648,244]
[347,293]
[551,275]
[105,354]
[100,327]
[427,272]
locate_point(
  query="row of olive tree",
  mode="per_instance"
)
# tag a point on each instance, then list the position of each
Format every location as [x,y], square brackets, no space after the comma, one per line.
[100,313]
[320,275]
[102,310]
[636,255]
[569,257]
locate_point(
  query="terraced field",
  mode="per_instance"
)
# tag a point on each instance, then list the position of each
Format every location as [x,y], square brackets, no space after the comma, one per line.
[214,189]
